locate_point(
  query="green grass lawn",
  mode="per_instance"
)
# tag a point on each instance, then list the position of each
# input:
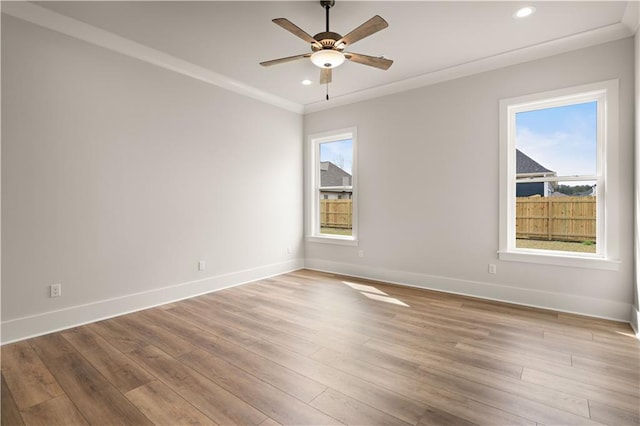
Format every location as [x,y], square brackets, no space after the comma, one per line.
[556,245]
[336,231]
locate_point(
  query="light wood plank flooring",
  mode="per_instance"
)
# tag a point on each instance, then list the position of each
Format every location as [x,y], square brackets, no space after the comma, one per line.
[314,348]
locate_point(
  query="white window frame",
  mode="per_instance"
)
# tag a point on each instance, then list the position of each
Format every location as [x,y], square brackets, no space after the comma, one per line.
[313,200]
[607,183]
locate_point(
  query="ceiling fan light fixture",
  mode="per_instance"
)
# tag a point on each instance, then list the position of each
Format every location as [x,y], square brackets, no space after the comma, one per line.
[327,58]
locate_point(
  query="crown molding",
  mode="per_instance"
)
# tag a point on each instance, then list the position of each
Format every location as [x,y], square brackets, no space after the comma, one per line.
[566,44]
[77,29]
[72,27]
[631,17]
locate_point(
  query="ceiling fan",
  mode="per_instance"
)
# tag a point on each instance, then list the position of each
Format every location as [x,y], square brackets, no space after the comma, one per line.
[327,48]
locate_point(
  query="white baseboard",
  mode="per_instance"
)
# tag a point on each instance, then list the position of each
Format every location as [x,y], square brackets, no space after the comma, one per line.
[599,308]
[48,322]
[635,318]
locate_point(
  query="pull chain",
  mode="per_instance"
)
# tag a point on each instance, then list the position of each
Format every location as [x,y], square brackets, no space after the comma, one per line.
[327,91]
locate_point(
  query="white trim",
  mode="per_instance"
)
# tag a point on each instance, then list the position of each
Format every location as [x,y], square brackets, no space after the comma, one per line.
[49,322]
[575,260]
[598,308]
[63,24]
[631,17]
[635,318]
[335,239]
[313,186]
[607,226]
[555,179]
[566,44]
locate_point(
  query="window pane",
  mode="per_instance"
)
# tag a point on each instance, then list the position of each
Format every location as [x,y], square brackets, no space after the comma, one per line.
[336,188]
[556,142]
[559,141]
[335,216]
[563,220]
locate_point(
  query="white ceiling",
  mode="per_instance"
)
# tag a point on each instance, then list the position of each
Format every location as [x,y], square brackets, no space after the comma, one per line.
[423,38]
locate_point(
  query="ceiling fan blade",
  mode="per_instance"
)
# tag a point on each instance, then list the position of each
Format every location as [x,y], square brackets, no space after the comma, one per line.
[325,75]
[283,60]
[297,31]
[371,61]
[372,26]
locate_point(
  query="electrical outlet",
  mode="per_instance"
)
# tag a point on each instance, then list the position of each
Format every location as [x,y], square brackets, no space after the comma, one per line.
[202,265]
[360,253]
[288,250]
[55,290]
[492,268]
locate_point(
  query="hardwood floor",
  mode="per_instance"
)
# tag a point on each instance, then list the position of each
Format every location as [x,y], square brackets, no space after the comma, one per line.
[314,348]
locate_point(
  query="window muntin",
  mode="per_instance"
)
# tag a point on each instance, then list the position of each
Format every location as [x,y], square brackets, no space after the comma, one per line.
[594,108]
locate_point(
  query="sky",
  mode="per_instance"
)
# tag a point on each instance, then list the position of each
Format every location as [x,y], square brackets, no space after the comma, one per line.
[562,139]
[339,153]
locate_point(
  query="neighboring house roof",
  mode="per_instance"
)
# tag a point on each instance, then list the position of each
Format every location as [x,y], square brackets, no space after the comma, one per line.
[526,165]
[332,175]
[589,192]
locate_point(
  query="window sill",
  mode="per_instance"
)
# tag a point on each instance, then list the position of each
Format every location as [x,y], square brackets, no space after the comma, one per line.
[340,240]
[575,261]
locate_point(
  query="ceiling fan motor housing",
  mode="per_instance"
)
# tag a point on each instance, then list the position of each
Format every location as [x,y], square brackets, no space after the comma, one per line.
[328,40]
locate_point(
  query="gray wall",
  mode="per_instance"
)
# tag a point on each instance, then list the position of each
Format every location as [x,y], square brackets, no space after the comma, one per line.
[428,187]
[636,303]
[118,176]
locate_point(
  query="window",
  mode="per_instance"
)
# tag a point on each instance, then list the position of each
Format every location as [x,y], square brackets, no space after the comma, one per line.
[332,199]
[558,198]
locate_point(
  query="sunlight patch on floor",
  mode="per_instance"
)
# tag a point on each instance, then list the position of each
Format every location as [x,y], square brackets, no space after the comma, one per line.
[626,333]
[375,294]
[386,299]
[366,288]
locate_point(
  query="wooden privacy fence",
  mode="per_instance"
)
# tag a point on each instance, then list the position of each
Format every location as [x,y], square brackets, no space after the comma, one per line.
[336,214]
[556,218]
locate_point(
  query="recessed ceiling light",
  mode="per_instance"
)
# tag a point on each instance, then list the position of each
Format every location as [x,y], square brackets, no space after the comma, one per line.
[523,12]
[306,82]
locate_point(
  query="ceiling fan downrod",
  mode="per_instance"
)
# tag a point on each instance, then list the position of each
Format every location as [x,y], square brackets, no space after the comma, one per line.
[327,4]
